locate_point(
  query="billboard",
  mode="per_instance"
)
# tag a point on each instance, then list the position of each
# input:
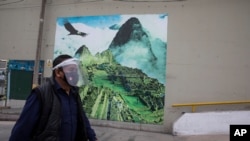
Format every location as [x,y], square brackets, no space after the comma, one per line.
[124,57]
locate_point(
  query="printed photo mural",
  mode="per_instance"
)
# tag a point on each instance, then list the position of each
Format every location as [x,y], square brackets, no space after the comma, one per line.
[124,60]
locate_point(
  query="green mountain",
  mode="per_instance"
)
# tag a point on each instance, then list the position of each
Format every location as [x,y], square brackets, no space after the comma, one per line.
[119,93]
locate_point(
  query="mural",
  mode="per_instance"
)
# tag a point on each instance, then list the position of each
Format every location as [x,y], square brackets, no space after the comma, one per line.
[124,57]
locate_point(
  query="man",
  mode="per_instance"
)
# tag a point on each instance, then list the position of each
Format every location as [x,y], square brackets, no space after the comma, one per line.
[53,111]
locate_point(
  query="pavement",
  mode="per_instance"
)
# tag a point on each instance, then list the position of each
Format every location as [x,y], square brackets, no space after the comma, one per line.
[11,114]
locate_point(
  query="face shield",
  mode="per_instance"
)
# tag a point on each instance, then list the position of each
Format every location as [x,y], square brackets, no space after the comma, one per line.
[73,72]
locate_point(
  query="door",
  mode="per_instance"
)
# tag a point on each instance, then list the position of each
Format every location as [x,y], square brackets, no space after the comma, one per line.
[20,84]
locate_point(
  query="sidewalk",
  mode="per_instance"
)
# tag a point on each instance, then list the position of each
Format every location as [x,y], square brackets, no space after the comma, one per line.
[11,110]
[9,114]
[115,134]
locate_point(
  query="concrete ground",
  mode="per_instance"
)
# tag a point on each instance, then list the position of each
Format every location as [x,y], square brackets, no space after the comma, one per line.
[114,134]
[9,115]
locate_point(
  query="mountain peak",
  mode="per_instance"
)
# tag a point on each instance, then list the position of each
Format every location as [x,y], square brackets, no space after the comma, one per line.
[130,30]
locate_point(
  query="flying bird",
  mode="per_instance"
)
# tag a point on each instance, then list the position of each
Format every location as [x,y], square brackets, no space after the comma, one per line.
[72,30]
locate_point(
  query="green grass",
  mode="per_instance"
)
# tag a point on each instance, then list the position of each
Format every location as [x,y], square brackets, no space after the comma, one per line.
[140,112]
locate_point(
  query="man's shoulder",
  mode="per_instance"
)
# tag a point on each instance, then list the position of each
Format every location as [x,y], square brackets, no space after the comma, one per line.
[42,86]
[43,89]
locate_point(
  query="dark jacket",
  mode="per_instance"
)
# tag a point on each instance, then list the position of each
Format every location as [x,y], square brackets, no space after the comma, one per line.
[49,123]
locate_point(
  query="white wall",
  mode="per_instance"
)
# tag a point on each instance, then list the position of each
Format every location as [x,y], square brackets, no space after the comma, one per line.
[208,44]
[208,54]
[209,123]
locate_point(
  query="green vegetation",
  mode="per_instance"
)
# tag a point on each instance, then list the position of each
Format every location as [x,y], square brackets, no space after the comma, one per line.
[120,93]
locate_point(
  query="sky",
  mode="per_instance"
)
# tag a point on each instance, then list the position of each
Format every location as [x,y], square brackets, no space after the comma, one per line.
[99,32]
[100,35]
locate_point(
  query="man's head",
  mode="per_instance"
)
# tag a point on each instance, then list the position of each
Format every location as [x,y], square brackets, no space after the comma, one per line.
[67,69]
[59,59]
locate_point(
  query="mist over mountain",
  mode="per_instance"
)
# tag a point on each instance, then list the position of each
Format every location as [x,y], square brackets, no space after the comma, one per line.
[135,41]
[134,47]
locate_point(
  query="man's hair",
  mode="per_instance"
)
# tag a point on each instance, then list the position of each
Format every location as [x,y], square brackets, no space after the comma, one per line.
[60,59]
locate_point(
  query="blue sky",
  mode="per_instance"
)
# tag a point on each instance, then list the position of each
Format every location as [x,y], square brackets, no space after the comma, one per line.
[99,33]
[100,21]
[93,21]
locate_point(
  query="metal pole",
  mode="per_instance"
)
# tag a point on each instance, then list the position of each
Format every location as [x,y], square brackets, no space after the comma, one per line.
[39,44]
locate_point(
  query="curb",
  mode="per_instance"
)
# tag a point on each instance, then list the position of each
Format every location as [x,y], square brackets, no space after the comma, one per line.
[4,107]
[8,117]
[9,114]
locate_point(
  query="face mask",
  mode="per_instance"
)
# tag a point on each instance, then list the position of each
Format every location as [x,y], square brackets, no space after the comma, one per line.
[72,71]
[71,78]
